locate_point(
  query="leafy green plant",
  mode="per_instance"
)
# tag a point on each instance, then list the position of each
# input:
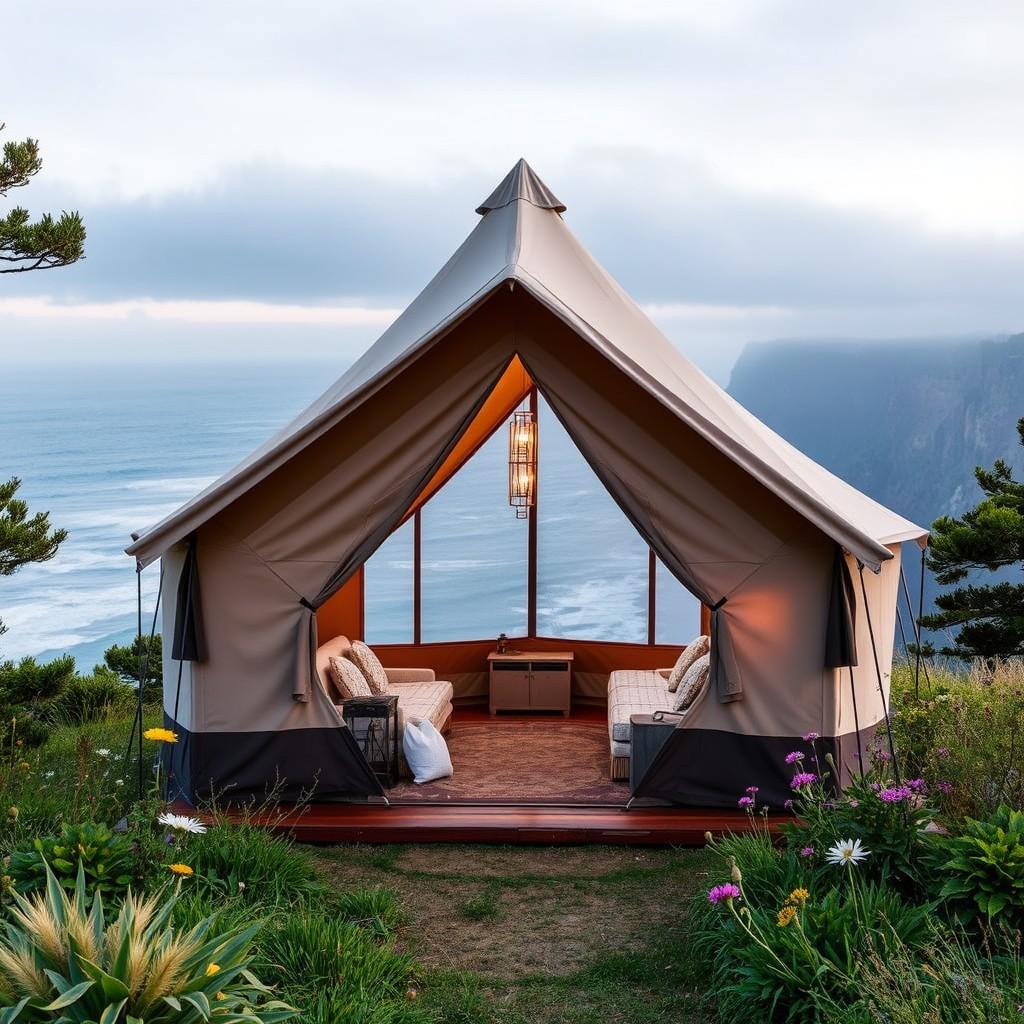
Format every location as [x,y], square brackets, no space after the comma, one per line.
[987,867]
[63,961]
[103,858]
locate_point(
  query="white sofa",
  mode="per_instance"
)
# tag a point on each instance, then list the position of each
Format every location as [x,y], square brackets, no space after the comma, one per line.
[420,694]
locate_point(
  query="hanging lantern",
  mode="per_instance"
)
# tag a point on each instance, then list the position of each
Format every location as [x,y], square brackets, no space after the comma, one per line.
[522,463]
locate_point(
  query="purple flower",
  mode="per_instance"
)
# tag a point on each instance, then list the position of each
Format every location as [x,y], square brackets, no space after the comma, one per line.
[724,893]
[746,801]
[895,794]
[883,755]
[751,789]
[803,779]
[810,737]
[855,803]
[788,804]
[807,851]
[795,756]
[917,785]
[942,752]
[944,787]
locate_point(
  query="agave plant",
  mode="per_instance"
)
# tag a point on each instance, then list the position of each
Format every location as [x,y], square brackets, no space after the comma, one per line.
[61,961]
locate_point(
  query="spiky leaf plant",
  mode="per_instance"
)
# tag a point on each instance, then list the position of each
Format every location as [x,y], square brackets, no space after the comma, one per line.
[61,961]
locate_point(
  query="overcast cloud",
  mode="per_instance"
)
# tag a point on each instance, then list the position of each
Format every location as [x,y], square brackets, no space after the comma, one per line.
[251,172]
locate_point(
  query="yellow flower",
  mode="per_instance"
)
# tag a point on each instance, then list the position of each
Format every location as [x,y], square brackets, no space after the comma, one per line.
[181,869]
[220,995]
[161,735]
[212,969]
[798,897]
[786,915]
[24,766]
[12,812]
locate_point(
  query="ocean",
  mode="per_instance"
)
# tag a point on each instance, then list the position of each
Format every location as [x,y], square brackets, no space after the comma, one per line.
[108,450]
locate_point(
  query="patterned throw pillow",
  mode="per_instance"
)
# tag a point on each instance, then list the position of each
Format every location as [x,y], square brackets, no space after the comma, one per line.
[694,681]
[696,648]
[369,664]
[349,679]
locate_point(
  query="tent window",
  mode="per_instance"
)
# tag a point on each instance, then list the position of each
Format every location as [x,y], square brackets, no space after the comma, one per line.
[678,611]
[474,553]
[592,565]
[388,590]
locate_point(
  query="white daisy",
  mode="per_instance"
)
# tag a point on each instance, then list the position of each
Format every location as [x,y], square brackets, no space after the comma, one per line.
[182,822]
[103,752]
[846,851]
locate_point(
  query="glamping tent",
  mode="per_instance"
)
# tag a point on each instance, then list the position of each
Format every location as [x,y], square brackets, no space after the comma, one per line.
[772,544]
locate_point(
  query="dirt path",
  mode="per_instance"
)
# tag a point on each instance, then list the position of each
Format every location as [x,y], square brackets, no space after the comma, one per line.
[509,911]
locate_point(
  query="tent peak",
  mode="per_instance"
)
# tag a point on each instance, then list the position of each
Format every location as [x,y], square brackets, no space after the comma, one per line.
[521,182]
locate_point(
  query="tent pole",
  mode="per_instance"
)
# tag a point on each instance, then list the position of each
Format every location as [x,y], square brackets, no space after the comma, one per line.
[919,664]
[920,612]
[417,578]
[856,723]
[878,674]
[531,534]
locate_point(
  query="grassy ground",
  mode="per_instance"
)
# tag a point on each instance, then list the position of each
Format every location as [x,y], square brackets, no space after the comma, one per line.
[538,934]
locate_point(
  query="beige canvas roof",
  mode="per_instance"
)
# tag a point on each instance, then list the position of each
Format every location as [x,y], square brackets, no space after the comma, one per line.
[522,241]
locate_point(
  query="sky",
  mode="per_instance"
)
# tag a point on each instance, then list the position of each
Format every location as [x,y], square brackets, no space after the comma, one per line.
[263,180]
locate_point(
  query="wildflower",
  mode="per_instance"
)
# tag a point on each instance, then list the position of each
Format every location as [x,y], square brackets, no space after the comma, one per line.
[895,794]
[785,916]
[724,894]
[103,752]
[411,994]
[118,782]
[855,803]
[798,897]
[807,851]
[12,813]
[219,996]
[212,969]
[944,787]
[942,752]
[182,823]
[788,804]
[746,801]
[24,766]
[883,755]
[803,779]
[795,756]
[161,735]
[241,886]
[49,775]
[752,790]
[917,784]
[810,737]
[736,875]
[180,869]
[846,851]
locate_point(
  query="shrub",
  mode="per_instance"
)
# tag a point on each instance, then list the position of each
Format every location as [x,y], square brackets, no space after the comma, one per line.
[967,731]
[102,858]
[63,961]
[986,868]
[95,698]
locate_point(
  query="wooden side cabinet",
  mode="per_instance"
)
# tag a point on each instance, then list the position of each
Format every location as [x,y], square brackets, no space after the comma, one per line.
[530,681]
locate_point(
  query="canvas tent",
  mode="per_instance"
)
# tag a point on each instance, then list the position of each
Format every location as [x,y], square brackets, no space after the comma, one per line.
[756,530]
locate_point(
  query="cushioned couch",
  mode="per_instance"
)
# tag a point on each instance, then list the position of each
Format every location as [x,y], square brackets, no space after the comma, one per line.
[420,695]
[642,692]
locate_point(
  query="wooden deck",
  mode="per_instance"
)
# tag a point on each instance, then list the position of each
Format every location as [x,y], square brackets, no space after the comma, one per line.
[499,823]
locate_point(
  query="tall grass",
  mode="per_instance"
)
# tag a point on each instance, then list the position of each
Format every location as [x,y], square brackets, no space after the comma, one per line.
[965,722]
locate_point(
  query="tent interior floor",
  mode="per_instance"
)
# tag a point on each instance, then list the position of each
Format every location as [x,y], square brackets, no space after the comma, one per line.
[510,805]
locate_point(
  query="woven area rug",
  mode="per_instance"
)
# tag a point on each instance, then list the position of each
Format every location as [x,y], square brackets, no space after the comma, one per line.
[544,761]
